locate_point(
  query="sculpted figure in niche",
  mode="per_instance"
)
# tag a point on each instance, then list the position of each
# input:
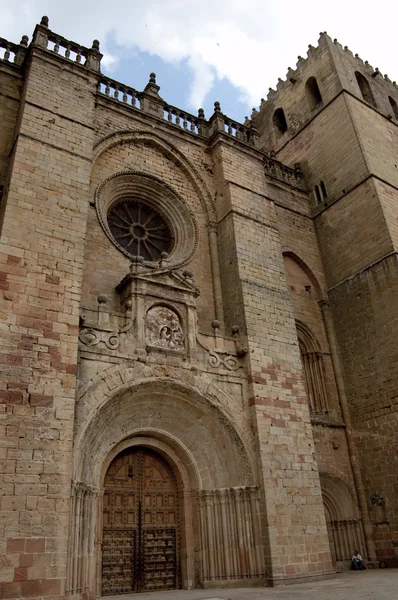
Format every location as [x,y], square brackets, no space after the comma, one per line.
[163,329]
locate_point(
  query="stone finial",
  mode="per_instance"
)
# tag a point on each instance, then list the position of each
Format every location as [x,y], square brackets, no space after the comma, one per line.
[44,21]
[24,40]
[102,299]
[163,256]
[187,274]
[201,113]
[152,78]
[96,45]
[216,324]
[217,107]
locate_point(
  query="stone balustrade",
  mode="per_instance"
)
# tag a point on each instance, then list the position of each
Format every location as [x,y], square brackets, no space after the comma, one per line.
[90,58]
[184,120]
[67,49]
[118,91]
[13,53]
[277,170]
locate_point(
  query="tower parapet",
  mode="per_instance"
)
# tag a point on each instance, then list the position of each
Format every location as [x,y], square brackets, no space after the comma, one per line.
[328,69]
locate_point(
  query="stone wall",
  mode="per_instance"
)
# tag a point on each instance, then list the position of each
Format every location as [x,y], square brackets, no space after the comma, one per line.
[10,85]
[246,286]
[41,266]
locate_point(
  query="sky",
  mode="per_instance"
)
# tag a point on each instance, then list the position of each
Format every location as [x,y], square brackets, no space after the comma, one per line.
[231,51]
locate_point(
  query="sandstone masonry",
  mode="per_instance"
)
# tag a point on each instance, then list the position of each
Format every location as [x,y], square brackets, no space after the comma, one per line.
[198,328]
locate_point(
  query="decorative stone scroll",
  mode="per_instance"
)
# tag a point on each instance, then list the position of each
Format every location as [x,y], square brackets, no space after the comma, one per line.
[91,337]
[163,329]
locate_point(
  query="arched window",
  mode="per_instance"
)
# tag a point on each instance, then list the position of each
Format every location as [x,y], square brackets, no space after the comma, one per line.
[365,88]
[313,93]
[280,120]
[313,369]
[394,107]
[320,192]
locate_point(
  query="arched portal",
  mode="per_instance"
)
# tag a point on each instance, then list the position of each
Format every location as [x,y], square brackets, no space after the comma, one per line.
[183,423]
[343,520]
[141,528]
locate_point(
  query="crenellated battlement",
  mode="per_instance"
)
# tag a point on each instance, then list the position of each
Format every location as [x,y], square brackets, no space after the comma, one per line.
[302,64]
[327,70]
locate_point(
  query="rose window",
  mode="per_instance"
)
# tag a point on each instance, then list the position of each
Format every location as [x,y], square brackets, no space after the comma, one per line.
[139,229]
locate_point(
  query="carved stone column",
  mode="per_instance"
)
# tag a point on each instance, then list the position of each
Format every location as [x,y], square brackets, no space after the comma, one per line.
[81,554]
[231,542]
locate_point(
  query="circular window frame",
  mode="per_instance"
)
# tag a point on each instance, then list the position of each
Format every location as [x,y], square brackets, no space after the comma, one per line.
[134,210]
[152,191]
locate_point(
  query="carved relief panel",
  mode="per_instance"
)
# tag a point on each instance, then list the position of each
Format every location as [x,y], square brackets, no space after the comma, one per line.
[158,314]
[163,329]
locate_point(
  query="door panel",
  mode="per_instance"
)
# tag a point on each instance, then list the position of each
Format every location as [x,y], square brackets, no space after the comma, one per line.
[140,525]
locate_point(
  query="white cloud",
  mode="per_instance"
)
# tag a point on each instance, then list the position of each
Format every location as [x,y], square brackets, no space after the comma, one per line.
[249,42]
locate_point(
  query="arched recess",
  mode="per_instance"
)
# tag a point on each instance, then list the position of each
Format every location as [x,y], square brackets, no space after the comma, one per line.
[168,150]
[172,153]
[343,519]
[279,120]
[365,88]
[314,281]
[313,368]
[313,93]
[211,462]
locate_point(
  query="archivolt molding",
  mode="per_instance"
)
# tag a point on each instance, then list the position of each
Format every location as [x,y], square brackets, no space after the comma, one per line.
[140,382]
[320,293]
[177,455]
[161,197]
[168,150]
[337,489]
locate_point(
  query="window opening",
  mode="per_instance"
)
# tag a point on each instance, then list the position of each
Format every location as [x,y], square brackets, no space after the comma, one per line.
[365,88]
[280,120]
[313,93]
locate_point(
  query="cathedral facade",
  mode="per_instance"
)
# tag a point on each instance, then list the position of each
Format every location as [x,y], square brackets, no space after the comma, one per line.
[198,328]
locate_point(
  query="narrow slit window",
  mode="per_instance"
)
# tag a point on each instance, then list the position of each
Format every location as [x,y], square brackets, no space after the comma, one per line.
[323,190]
[366,90]
[318,195]
[313,93]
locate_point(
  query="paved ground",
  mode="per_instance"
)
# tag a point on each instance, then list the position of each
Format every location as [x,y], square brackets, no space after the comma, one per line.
[380,584]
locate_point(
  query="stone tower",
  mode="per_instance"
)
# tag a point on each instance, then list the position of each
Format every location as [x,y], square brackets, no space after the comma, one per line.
[191,391]
[341,118]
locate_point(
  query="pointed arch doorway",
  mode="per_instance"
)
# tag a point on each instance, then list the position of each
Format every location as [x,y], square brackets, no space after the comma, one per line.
[140,541]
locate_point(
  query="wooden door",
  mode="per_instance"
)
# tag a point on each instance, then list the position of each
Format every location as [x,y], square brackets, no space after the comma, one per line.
[140,525]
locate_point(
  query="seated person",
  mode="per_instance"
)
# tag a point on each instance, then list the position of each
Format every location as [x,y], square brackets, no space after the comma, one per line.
[357,562]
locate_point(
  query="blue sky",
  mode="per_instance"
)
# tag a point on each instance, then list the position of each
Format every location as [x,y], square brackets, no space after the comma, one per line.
[206,50]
